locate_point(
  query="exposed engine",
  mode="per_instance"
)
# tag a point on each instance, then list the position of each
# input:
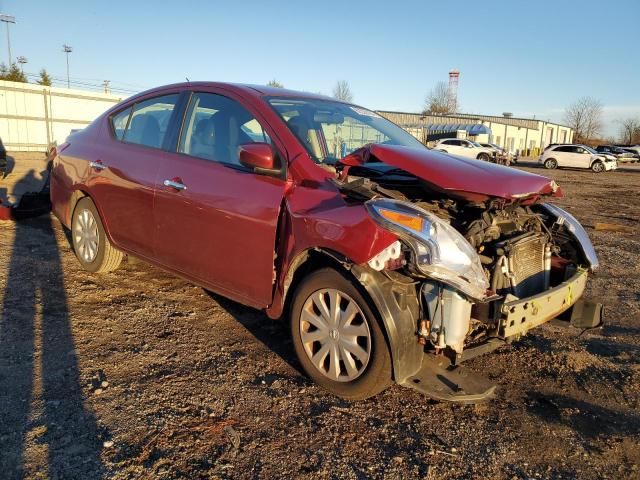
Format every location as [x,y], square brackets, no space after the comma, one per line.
[513,242]
[514,247]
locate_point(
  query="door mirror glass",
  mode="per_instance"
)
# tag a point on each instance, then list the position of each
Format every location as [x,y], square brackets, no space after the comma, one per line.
[258,156]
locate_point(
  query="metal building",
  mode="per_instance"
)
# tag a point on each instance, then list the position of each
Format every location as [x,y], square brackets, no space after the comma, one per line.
[526,136]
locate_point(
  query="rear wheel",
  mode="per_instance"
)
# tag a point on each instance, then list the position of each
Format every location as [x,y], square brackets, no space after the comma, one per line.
[338,338]
[597,166]
[90,243]
[550,163]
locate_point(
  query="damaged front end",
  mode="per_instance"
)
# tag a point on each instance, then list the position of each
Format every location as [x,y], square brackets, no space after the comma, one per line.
[486,264]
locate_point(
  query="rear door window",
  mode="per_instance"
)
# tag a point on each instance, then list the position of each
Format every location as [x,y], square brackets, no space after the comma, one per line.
[150,120]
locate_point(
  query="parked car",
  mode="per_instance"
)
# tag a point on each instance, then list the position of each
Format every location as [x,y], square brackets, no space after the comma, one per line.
[577,156]
[464,148]
[635,152]
[501,156]
[633,148]
[391,261]
[619,153]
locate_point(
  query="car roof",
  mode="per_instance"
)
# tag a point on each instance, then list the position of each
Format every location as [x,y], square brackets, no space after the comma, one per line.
[254,90]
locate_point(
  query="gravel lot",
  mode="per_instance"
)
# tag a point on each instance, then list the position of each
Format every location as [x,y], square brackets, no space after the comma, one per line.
[138,374]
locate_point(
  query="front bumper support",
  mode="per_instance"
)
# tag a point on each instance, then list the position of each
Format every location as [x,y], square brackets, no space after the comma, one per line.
[521,315]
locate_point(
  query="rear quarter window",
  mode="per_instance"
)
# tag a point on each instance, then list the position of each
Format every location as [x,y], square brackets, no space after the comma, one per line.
[119,122]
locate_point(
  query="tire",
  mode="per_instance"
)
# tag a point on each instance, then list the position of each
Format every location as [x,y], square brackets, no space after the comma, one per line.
[369,373]
[97,256]
[550,164]
[484,157]
[597,166]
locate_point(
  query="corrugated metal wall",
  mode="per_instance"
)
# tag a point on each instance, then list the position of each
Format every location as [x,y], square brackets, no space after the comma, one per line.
[33,116]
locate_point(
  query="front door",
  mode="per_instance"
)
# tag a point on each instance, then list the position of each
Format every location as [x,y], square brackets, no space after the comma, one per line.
[216,220]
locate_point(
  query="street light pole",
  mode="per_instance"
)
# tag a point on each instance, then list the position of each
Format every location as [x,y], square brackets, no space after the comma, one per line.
[67,49]
[22,60]
[8,19]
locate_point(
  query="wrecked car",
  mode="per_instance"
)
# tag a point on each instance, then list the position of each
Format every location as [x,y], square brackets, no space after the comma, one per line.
[390,261]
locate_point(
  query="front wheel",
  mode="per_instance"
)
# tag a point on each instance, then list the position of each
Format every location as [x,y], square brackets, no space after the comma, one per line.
[484,157]
[597,166]
[90,243]
[550,164]
[338,338]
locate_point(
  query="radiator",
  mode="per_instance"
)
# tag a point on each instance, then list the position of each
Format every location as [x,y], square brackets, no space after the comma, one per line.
[528,258]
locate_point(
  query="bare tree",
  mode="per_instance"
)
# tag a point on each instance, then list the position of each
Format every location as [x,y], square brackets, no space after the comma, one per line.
[275,83]
[630,131]
[585,117]
[438,101]
[342,91]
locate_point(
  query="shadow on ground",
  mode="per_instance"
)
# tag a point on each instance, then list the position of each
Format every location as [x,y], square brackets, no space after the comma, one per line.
[274,334]
[588,419]
[41,398]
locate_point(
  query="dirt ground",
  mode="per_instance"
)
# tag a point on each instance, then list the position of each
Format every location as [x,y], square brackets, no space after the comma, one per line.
[138,374]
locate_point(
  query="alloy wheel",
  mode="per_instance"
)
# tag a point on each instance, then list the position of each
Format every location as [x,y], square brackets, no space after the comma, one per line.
[335,335]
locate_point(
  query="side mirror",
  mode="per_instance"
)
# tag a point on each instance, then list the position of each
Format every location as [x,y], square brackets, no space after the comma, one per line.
[259,157]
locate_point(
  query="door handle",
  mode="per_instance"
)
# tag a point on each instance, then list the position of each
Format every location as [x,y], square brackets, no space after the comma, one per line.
[97,165]
[174,184]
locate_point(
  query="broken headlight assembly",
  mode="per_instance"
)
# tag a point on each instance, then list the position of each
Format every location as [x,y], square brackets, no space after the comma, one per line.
[439,250]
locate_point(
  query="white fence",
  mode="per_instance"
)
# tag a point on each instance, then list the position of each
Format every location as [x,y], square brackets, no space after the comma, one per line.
[32,117]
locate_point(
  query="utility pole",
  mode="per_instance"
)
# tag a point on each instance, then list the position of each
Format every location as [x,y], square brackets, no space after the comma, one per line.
[8,19]
[22,60]
[67,49]
[106,85]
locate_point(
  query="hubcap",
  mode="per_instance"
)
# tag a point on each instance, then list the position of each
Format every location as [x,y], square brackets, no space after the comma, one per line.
[335,335]
[85,236]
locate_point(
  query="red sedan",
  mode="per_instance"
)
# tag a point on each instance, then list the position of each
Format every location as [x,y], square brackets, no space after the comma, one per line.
[391,261]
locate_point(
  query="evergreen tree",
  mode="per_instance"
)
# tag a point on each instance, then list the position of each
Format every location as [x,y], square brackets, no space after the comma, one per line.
[45,79]
[13,74]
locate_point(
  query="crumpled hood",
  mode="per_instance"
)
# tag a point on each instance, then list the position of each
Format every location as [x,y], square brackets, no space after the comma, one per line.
[472,180]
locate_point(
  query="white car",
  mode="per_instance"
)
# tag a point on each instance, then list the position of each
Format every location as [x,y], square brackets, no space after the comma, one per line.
[464,148]
[577,156]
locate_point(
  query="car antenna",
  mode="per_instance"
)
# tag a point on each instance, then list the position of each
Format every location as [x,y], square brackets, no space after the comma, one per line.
[187,79]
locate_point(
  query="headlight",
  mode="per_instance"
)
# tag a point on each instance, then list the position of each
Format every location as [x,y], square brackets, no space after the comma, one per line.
[440,251]
[578,232]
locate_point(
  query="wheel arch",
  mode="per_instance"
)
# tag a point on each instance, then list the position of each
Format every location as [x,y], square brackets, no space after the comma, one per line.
[78,195]
[396,305]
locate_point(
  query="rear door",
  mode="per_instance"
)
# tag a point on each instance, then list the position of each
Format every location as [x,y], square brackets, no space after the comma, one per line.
[453,146]
[125,168]
[581,157]
[216,220]
[562,156]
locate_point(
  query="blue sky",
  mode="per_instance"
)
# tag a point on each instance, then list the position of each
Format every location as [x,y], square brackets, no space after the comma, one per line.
[529,58]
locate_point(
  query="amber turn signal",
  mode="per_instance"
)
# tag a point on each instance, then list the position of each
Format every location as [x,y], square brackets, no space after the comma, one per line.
[408,221]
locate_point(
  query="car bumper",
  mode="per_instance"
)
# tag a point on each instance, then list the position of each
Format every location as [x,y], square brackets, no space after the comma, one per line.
[520,316]
[610,165]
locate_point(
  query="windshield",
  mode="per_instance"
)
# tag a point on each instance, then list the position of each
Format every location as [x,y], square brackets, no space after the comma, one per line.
[332,130]
[589,149]
[475,143]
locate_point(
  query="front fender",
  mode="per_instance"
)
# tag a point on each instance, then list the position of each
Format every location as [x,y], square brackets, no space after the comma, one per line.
[399,310]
